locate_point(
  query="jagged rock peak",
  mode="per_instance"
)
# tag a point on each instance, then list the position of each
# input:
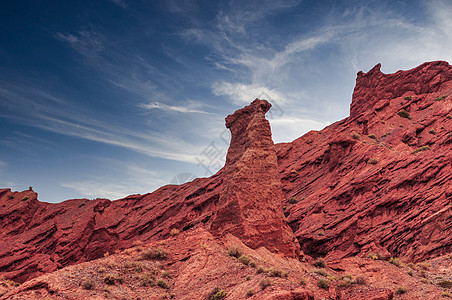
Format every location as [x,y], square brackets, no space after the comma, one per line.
[251,196]
[249,128]
[256,107]
[374,85]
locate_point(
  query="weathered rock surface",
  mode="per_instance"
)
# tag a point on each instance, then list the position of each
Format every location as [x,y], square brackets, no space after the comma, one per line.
[376,182]
[251,195]
[38,237]
[374,86]
[196,263]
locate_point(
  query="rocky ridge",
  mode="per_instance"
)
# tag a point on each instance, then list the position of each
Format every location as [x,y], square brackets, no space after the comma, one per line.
[380,180]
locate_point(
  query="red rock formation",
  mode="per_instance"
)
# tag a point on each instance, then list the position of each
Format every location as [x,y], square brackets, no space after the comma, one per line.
[377,181]
[374,182]
[38,238]
[251,196]
[375,86]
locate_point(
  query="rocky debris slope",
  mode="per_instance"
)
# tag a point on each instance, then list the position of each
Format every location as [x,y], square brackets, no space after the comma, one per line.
[376,183]
[380,180]
[189,265]
[194,264]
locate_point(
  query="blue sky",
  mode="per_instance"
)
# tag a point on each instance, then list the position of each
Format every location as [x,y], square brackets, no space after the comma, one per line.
[116,97]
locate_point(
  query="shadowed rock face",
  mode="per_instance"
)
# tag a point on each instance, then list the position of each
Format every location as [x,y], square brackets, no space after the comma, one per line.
[373,182]
[251,196]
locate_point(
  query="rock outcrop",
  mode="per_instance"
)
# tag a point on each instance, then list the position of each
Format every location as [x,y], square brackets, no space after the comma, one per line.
[374,86]
[376,182]
[251,195]
[380,180]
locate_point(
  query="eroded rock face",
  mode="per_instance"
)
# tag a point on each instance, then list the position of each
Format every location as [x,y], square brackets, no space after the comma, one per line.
[38,237]
[374,86]
[377,182]
[250,200]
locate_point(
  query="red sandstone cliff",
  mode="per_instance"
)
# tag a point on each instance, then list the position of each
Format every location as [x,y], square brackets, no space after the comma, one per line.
[378,181]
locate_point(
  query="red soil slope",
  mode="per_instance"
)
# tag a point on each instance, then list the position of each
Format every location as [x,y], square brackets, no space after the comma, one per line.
[362,185]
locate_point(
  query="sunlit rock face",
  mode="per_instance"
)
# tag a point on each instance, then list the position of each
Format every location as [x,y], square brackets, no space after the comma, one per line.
[251,196]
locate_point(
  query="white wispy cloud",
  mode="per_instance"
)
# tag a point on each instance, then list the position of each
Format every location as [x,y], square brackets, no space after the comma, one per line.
[73,121]
[165,107]
[365,36]
[130,179]
[151,145]
[95,188]
[87,43]
[242,94]
[286,127]
[26,96]
[258,67]
[345,42]
[393,38]
[127,70]
[267,68]
[240,15]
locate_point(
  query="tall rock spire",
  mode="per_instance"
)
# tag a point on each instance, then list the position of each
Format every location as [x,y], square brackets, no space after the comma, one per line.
[251,197]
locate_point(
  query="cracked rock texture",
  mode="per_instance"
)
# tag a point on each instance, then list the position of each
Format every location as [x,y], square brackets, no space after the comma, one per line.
[376,181]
